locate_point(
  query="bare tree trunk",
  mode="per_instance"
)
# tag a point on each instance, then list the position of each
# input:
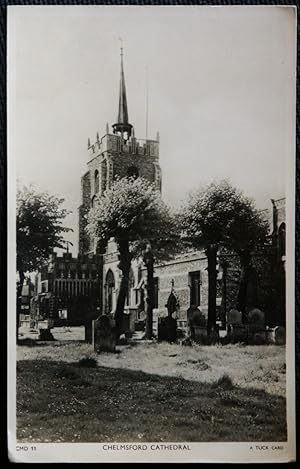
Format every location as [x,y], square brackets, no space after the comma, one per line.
[124,265]
[149,262]
[211,253]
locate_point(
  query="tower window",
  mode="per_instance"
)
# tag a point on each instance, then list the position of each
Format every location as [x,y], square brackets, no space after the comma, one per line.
[133,172]
[104,174]
[96,181]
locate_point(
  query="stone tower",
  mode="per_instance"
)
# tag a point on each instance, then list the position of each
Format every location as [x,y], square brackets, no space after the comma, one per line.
[116,154]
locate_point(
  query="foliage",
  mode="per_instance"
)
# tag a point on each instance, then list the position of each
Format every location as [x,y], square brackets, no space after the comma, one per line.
[221,215]
[132,209]
[133,213]
[39,227]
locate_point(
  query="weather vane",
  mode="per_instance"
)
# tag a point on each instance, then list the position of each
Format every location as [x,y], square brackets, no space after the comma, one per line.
[121,41]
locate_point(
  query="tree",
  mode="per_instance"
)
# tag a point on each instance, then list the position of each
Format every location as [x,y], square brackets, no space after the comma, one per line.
[40,229]
[133,213]
[248,234]
[219,216]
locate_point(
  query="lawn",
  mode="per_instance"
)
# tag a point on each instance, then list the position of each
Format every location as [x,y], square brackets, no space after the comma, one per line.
[150,392]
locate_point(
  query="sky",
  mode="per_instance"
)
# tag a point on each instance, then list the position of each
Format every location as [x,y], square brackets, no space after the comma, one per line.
[221,93]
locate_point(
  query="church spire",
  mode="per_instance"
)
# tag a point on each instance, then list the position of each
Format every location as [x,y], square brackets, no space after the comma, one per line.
[122,125]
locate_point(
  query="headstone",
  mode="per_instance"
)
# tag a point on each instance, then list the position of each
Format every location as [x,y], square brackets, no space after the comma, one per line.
[199,332]
[104,334]
[238,332]
[129,318]
[234,317]
[256,318]
[45,334]
[167,329]
[196,317]
[280,335]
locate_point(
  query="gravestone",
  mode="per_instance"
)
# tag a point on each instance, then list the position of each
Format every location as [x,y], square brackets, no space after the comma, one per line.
[167,329]
[199,333]
[104,334]
[234,317]
[197,323]
[45,334]
[280,335]
[256,319]
[238,332]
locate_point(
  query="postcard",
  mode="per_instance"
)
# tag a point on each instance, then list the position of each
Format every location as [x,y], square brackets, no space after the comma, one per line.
[151,201]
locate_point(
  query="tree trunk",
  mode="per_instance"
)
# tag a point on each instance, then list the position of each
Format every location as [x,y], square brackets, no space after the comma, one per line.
[149,262]
[124,265]
[211,253]
[225,267]
[19,301]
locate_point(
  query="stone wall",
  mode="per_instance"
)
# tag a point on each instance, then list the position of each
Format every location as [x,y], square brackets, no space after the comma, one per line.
[177,274]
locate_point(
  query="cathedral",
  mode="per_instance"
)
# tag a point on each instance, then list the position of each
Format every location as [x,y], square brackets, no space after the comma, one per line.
[118,154]
[88,285]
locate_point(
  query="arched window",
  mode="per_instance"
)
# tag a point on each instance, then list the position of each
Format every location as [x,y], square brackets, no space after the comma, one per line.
[96,181]
[109,291]
[133,172]
[281,240]
[104,173]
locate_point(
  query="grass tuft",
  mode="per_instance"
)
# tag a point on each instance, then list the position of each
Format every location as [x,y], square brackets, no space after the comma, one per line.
[224,382]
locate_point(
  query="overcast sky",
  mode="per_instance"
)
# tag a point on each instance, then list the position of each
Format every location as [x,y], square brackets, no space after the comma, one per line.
[221,93]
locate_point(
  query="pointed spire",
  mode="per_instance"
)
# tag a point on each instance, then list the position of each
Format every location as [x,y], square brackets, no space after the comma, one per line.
[123,111]
[122,125]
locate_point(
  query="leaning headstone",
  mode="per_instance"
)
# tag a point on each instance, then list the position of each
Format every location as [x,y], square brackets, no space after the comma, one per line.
[167,328]
[234,317]
[104,334]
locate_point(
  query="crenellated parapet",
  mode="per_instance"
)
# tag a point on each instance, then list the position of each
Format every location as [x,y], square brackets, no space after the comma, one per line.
[115,144]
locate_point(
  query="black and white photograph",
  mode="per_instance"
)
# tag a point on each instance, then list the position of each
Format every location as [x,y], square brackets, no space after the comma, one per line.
[151,206]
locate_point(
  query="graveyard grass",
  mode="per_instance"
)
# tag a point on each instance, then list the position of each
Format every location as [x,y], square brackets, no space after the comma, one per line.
[150,392]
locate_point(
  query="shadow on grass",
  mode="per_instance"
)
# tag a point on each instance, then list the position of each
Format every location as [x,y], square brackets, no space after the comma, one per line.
[58,401]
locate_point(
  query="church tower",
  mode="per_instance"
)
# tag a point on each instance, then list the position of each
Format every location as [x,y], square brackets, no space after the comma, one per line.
[117,154]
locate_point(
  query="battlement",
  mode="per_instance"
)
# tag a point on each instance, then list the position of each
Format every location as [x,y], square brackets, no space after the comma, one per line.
[115,144]
[67,258]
